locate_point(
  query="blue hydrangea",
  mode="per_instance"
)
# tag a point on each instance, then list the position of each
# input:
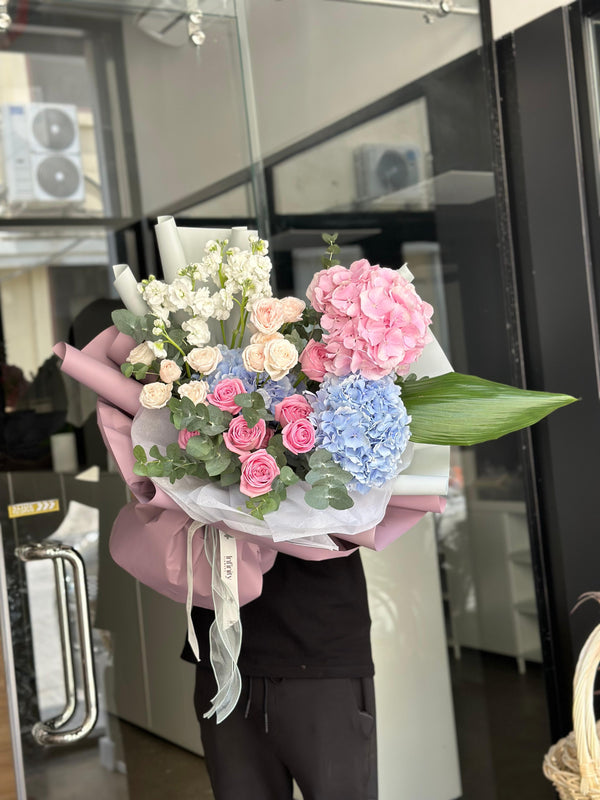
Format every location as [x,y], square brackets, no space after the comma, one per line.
[232,366]
[364,425]
[274,391]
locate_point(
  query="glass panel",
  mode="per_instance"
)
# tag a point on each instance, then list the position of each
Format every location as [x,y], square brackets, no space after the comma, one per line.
[98,102]
[233,204]
[408,177]
[104,109]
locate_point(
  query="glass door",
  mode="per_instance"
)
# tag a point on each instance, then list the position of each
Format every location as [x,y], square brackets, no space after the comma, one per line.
[111,113]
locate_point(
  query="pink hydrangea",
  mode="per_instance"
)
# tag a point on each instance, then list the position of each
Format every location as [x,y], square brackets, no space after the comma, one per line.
[376,322]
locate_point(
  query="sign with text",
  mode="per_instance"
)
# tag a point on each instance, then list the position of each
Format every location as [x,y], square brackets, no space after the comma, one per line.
[34,507]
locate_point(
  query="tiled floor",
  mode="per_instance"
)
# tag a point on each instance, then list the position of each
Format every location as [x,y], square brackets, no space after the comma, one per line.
[501,727]
[156,770]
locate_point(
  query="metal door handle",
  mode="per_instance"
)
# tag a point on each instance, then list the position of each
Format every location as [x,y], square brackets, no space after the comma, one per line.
[66,648]
[45,732]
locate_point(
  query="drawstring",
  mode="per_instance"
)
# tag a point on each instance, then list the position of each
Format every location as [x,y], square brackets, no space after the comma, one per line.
[265,701]
[265,714]
[249,703]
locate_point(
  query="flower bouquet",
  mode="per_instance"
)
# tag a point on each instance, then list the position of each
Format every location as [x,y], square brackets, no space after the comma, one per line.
[268,424]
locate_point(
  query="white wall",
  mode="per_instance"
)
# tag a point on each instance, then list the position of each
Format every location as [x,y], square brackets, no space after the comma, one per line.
[508,15]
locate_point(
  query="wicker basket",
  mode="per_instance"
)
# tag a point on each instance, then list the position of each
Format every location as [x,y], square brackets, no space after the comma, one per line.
[573,763]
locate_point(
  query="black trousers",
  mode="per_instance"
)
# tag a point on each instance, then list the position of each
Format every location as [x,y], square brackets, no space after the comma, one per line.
[319,731]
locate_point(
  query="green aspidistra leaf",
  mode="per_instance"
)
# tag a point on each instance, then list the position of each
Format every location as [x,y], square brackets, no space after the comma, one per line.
[455,409]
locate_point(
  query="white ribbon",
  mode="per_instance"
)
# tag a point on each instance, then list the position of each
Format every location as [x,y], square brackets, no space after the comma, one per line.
[226,631]
[189,601]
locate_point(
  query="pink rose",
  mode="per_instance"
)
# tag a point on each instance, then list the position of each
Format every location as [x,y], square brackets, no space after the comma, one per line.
[224,392]
[185,436]
[292,309]
[239,438]
[259,470]
[292,408]
[269,433]
[267,315]
[314,359]
[299,436]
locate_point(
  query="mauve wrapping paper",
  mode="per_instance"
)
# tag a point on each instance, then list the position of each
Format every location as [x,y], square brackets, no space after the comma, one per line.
[150,534]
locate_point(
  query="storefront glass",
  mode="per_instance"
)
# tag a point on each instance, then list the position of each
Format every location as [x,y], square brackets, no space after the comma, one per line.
[369,121]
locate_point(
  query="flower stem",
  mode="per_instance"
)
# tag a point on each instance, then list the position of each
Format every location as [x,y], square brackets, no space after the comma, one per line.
[176,346]
[300,378]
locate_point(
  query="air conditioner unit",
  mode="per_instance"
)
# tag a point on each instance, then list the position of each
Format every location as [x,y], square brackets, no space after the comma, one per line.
[382,169]
[42,155]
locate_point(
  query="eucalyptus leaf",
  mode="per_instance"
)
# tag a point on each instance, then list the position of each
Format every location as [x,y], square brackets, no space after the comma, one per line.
[127,370]
[287,476]
[218,463]
[319,457]
[199,447]
[124,320]
[139,453]
[251,416]
[340,499]
[229,478]
[258,401]
[244,400]
[455,409]
[317,497]
[173,451]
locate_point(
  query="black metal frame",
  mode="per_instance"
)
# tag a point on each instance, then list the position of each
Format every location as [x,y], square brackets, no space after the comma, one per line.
[541,78]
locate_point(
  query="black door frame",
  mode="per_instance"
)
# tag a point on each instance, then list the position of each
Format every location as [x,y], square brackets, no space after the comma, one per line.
[540,80]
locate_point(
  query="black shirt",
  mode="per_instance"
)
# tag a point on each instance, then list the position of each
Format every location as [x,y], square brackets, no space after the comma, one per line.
[311,620]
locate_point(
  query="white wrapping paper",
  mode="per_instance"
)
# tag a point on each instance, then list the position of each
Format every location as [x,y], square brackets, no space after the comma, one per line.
[126,286]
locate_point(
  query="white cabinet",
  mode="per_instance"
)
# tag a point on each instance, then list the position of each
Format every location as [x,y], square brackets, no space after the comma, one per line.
[490,582]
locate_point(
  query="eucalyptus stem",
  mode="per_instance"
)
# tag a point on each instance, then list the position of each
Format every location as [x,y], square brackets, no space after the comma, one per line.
[223,332]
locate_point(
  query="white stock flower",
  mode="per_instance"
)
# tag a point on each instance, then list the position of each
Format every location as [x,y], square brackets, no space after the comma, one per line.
[158,348]
[197,331]
[202,304]
[180,293]
[222,304]
[154,294]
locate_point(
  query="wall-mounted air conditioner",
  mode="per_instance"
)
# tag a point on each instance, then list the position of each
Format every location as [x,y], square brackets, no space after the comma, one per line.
[42,155]
[382,169]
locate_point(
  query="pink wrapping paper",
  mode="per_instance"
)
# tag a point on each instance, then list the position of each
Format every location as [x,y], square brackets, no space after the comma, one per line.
[150,534]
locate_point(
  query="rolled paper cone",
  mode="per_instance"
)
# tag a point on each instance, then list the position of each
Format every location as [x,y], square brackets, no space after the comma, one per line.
[427,473]
[172,256]
[194,241]
[126,286]
[106,381]
[240,237]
